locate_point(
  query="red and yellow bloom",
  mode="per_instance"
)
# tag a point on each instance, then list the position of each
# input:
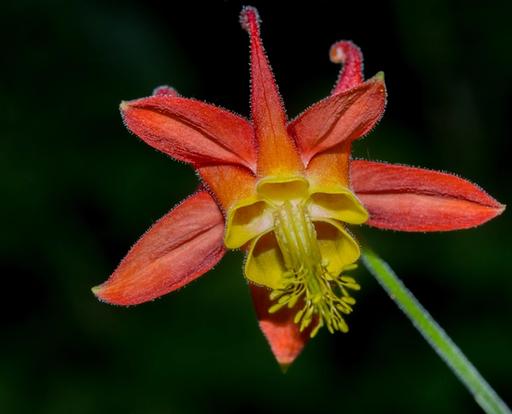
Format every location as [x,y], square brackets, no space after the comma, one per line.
[284,192]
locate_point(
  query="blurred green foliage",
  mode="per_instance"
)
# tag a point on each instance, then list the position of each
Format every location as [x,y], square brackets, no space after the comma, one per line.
[77,190]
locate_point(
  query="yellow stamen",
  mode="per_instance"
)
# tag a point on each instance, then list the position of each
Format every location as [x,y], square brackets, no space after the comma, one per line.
[325,297]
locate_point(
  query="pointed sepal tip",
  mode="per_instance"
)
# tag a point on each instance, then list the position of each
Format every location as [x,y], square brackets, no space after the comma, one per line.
[96,290]
[284,367]
[379,76]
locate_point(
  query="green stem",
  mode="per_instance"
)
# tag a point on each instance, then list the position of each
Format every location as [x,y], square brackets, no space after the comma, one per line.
[484,395]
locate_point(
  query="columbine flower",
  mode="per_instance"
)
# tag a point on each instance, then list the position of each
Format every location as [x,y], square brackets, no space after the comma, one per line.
[283,192]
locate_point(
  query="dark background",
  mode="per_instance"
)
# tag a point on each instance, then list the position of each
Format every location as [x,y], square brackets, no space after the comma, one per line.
[77,190]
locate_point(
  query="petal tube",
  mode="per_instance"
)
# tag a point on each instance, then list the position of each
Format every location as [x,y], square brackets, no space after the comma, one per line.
[191,131]
[350,56]
[339,118]
[414,199]
[179,248]
[283,335]
[330,167]
[277,154]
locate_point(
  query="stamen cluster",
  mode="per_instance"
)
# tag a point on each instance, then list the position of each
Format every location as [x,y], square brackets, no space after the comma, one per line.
[324,296]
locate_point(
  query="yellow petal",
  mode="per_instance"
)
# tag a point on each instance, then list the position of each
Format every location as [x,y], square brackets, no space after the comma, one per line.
[337,247]
[246,220]
[336,202]
[264,265]
[281,188]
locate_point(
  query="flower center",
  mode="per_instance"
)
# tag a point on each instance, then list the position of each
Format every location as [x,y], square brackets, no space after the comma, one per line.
[324,296]
[298,247]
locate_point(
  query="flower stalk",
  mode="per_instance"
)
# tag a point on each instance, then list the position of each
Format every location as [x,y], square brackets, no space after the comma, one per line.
[484,395]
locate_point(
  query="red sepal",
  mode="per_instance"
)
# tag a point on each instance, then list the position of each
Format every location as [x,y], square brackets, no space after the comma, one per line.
[339,118]
[191,131]
[283,335]
[414,199]
[180,247]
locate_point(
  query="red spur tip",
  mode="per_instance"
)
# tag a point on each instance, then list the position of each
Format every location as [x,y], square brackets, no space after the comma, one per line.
[350,56]
[165,90]
[249,18]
